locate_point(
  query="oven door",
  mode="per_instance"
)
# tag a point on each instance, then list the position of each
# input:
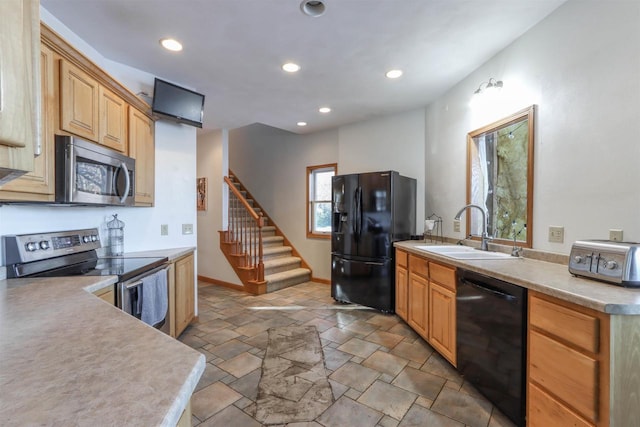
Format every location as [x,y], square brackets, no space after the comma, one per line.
[128,297]
[87,173]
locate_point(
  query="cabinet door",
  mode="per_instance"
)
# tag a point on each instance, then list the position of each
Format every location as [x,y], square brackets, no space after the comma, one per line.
[402,288]
[39,185]
[79,102]
[19,70]
[113,120]
[418,304]
[142,148]
[442,321]
[185,293]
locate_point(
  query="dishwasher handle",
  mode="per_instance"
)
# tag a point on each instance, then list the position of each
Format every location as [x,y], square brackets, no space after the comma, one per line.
[490,290]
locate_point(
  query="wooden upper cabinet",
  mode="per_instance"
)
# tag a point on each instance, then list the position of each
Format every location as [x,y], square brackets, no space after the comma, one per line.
[113,120]
[142,148]
[79,102]
[39,185]
[19,81]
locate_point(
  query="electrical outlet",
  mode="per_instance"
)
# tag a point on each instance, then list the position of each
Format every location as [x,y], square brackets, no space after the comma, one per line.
[187,228]
[164,229]
[456,225]
[556,234]
[615,235]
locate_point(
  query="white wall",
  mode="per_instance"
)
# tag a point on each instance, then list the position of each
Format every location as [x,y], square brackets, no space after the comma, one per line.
[394,142]
[175,165]
[213,164]
[272,164]
[581,66]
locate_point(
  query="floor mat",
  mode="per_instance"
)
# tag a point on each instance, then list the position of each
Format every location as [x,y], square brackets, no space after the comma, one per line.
[294,385]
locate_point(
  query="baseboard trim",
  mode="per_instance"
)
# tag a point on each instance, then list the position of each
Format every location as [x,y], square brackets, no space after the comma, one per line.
[221,283]
[324,281]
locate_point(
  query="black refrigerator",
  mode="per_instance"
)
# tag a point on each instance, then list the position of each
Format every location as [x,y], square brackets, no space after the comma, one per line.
[370,211]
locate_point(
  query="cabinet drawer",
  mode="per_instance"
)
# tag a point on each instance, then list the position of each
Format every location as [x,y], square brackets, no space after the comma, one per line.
[545,411]
[401,258]
[445,276]
[565,373]
[419,266]
[575,327]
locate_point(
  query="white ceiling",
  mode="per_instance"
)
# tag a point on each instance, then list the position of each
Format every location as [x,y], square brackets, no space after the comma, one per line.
[233,51]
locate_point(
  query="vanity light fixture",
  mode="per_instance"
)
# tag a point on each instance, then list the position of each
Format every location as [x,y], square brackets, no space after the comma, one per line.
[301,124]
[291,67]
[171,44]
[393,74]
[324,110]
[491,85]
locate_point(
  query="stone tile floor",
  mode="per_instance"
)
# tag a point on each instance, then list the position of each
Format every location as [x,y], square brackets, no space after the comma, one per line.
[381,372]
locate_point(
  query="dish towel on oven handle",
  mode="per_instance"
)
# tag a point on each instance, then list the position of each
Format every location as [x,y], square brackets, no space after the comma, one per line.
[154,298]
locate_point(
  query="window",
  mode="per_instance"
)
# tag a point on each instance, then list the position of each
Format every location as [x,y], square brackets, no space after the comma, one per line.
[319,200]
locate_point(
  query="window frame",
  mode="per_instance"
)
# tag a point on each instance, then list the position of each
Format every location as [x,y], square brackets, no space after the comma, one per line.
[311,170]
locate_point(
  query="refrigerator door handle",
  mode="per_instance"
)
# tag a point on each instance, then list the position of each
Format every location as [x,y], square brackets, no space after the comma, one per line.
[359,208]
[354,224]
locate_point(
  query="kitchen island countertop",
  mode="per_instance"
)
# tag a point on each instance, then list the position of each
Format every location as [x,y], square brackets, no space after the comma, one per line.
[547,278]
[69,358]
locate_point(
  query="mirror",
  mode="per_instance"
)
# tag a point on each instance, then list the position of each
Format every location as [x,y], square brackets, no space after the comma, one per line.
[500,178]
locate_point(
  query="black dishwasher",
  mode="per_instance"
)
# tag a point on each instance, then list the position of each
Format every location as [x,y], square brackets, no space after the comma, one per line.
[491,340]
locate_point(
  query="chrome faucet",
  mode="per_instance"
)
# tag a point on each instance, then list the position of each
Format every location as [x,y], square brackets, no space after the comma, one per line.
[485,236]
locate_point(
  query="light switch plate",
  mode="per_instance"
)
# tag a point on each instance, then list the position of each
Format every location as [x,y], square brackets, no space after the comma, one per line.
[164,229]
[456,225]
[556,234]
[615,235]
[187,228]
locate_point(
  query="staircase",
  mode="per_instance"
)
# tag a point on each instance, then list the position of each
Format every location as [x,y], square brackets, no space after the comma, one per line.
[260,254]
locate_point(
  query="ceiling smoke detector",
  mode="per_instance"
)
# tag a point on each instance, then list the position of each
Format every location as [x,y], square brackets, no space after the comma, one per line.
[313,8]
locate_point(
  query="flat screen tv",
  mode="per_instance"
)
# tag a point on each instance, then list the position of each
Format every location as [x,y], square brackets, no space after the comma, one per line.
[177,103]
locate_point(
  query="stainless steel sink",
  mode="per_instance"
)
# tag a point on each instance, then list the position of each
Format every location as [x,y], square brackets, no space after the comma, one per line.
[463,252]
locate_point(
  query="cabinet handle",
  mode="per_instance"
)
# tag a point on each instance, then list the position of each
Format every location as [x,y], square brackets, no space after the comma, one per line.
[495,292]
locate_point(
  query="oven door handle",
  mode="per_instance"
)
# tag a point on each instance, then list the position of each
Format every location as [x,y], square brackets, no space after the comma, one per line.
[127,180]
[138,282]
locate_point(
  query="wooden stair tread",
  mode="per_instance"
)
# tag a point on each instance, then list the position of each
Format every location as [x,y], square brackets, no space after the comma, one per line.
[289,274]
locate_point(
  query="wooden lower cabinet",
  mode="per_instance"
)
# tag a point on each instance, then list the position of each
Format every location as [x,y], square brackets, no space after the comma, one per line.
[442,321]
[418,306]
[568,364]
[107,294]
[184,293]
[402,284]
[430,301]
[185,418]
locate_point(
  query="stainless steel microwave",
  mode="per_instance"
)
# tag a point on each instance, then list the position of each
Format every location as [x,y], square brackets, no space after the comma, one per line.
[90,174]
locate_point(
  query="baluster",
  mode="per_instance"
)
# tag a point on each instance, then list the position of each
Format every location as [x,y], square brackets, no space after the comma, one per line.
[260,269]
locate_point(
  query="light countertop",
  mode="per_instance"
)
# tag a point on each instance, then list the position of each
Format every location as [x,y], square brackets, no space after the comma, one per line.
[69,358]
[547,278]
[173,253]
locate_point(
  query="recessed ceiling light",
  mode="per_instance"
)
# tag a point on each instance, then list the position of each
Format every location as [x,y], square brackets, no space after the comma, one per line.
[324,110]
[393,74]
[302,123]
[171,44]
[313,8]
[290,67]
